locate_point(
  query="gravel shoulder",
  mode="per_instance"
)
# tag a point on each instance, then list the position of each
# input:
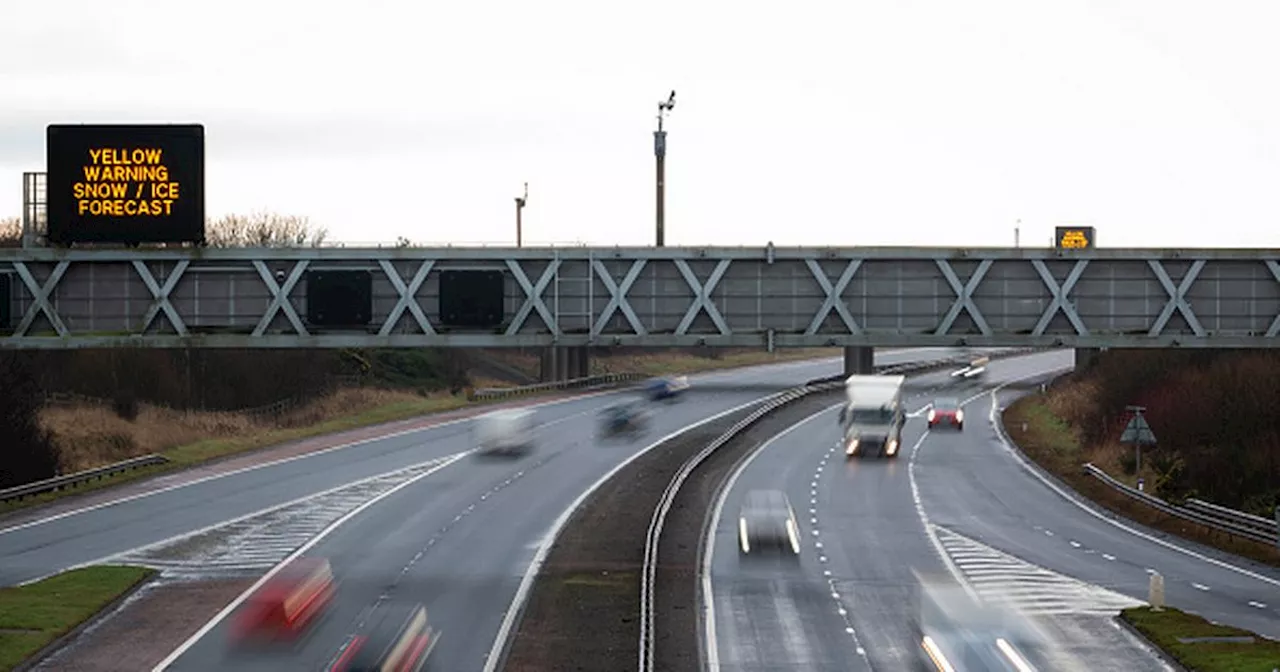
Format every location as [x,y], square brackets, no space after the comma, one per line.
[145,628]
[583,611]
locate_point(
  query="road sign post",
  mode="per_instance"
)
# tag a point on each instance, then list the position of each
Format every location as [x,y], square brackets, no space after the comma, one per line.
[1137,434]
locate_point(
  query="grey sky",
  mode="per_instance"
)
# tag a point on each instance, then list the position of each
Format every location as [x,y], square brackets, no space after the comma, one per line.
[911,122]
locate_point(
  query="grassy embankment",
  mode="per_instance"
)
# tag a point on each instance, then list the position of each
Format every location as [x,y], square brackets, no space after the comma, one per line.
[90,435]
[1208,408]
[1176,633]
[33,616]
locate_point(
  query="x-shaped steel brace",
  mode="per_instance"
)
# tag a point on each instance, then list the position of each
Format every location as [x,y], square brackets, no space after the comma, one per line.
[40,298]
[1275,324]
[1060,296]
[533,297]
[833,301]
[1177,297]
[702,296]
[160,295]
[280,297]
[408,300]
[618,296]
[964,297]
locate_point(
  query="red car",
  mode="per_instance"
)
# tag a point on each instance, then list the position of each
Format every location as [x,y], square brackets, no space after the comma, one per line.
[288,602]
[946,411]
[400,640]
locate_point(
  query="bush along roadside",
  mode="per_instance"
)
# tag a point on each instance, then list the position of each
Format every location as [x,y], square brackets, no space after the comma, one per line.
[1066,427]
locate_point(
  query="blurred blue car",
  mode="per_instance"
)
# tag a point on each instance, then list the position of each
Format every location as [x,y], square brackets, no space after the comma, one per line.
[666,389]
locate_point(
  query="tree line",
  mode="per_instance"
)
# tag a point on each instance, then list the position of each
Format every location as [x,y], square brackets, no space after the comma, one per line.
[257,229]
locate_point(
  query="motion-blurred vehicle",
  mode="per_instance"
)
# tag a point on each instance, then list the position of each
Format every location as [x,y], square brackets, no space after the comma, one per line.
[961,633]
[284,606]
[625,419]
[667,389]
[873,417]
[946,411]
[976,370]
[508,432]
[767,521]
[400,639]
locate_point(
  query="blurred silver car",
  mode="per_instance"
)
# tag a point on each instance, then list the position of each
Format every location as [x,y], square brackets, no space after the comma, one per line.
[768,521]
[960,632]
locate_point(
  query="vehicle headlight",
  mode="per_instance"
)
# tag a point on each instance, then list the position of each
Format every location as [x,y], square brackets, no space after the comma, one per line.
[932,415]
[853,447]
[891,447]
[960,416]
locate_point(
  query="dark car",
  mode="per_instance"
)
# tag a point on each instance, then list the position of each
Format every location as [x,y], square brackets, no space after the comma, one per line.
[400,638]
[628,418]
[946,411]
[768,521]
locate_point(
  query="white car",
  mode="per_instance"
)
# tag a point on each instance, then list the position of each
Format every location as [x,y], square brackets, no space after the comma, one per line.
[768,521]
[505,432]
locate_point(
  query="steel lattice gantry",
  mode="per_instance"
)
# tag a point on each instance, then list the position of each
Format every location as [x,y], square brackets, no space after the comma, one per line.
[743,297]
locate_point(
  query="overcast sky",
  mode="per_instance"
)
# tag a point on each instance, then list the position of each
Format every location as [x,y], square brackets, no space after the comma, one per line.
[843,122]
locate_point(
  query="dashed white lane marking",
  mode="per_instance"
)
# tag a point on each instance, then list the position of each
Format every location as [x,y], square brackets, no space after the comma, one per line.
[1001,578]
[1199,586]
[1259,605]
[1074,544]
[1108,556]
[826,573]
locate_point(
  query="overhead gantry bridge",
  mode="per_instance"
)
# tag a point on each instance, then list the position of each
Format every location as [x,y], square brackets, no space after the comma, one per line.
[574,297]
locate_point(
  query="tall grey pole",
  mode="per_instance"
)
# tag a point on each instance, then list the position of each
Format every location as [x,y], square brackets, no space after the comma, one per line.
[660,181]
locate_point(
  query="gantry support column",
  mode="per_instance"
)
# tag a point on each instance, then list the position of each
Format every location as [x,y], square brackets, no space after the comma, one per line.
[1085,358]
[562,363]
[859,360]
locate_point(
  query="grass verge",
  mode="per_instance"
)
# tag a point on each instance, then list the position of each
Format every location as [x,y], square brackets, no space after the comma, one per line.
[33,616]
[1051,443]
[1170,628]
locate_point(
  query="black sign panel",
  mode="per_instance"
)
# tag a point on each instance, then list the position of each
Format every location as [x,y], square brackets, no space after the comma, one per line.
[339,298]
[1073,238]
[472,298]
[125,184]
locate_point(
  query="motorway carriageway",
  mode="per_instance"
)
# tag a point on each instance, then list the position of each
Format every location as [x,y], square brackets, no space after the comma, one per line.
[502,510]
[959,505]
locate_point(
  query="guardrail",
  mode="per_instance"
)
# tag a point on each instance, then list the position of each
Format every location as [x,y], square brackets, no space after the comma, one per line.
[78,478]
[575,383]
[1221,518]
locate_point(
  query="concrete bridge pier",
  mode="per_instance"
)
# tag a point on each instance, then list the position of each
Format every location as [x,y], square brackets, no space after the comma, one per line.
[1086,357]
[859,360]
[564,363]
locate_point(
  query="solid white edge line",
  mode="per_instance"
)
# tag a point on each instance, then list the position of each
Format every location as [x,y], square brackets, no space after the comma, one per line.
[531,573]
[708,543]
[122,555]
[447,423]
[226,611]
[1089,507]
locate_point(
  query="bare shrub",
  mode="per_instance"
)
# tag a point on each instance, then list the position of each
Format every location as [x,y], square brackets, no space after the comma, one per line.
[264,229]
[10,231]
[27,452]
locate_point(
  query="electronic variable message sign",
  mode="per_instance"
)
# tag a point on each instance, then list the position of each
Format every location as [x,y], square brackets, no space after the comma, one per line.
[125,184]
[1073,237]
